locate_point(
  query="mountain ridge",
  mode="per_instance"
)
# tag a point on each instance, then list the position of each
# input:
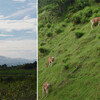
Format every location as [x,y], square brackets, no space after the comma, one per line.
[14,61]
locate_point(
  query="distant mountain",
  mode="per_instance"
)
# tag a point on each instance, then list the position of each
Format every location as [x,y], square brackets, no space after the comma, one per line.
[14,61]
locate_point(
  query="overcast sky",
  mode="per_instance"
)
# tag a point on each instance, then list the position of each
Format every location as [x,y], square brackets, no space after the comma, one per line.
[18,28]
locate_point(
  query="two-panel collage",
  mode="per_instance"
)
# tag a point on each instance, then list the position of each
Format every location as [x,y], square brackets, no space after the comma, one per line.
[49,49]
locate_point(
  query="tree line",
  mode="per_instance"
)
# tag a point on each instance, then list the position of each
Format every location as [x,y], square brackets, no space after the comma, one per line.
[62,5]
[24,66]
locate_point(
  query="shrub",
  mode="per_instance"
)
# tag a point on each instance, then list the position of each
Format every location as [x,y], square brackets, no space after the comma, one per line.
[95,15]
[96,10]
[73,28]
[63,25]
[97,1]
[87,12]
[98,14]
[79,34]
[41,25]
[58,31]
[76,18]
[98,37]
[70,8]
[48,25]
[84,20]
[82,3]
[66,66]
[43,44]
[67,20]
[49,34]
[82,16]
[65,60]
[44,50]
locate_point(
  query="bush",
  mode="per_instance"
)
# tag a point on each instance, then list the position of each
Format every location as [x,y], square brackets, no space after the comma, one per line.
[49,34]
[67,20]
[82,16]
[82,3]
[70,8]
[40,26]
[66,66]
[65,60]
[79,34]
[43,44]
[97,1]
[96,14]
[98,37]
[48,25]
[96,10]
[58,31]
[84,20]
[76,18]
[44,50]
[73,28]
[87,12]
[63,25]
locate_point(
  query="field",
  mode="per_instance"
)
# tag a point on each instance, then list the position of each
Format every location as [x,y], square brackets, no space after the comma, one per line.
[17,84]
[75,74]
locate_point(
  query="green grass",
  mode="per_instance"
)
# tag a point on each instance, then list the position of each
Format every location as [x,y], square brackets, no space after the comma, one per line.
[81,79]
[18,84]
[12,72]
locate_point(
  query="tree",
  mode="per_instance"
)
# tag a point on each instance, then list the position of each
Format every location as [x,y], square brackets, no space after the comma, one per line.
[62,4]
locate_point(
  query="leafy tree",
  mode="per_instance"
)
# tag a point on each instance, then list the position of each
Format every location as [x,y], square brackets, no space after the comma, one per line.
[62,4]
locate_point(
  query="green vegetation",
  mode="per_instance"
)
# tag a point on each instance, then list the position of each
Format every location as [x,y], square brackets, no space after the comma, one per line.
[18,82]
[49,34]
[75,74]
[79,34]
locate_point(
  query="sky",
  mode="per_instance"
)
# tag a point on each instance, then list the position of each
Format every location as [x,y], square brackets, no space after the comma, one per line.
[18,29]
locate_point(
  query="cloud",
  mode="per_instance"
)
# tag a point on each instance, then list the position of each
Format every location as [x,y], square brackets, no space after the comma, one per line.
[26,17]
[21,12]
[32,4]
[4,35]
[29,31]
[19,48]
[2,17]
[20,0]
[18,25]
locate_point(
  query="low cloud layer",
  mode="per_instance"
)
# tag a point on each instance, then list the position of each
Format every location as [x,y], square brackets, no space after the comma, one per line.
[18,25]
[20,0]
[19,48]
[5,35]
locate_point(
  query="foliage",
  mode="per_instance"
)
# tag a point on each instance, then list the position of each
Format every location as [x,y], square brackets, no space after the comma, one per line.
[48,25]
[87,12]
[97,1]
[18,83]
[76,18]
[76,60]
[44,50]
[66,66]
[79,34]
[82,16]
[43,43]
[84,20]
[49,34]
[82,3]
[58,30]
[41,25]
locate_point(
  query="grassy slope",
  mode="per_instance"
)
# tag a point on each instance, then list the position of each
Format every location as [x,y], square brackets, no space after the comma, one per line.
[83,84]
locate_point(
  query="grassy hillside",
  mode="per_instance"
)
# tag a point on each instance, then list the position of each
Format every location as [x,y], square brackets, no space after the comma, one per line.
[75,74]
